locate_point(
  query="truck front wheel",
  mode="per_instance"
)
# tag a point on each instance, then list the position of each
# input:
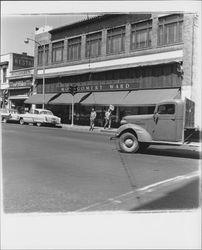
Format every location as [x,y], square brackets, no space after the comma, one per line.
[128,143]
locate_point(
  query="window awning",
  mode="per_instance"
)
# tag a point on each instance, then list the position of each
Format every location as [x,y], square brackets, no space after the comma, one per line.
[38,98]
[106,98]
[131,98]
[150,97]
[66,98]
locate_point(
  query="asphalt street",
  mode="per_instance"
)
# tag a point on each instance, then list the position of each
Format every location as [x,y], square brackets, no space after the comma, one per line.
[57,170]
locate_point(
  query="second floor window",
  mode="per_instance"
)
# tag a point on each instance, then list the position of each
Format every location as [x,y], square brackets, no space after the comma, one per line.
[93,45]
[40,55]
[57,52]
[141,35]
[170,30]
[116,40]
[74,49]
[4,74]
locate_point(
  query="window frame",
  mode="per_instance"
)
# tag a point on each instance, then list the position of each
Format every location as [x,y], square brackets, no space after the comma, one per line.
[40,54]
[112,34]
[135,29]
[57,46]
[5,70]
[90,38]
[166,105]
[163,24]
[71,43]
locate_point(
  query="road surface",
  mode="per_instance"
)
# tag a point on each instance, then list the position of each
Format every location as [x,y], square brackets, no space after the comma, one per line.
[56,170]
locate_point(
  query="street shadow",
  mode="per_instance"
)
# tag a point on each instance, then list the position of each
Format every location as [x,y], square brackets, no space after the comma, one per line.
[173,152]
[14,123]
[186,197]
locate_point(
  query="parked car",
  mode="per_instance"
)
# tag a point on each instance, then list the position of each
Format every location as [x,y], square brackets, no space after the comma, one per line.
[5,115]
[39,117]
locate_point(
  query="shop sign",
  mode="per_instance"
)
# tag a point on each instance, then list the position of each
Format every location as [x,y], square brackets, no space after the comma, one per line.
[21,61]
[101,87]
[18,84]
[22,73]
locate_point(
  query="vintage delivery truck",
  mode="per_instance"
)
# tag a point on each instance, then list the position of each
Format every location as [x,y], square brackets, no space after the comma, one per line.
[171,124]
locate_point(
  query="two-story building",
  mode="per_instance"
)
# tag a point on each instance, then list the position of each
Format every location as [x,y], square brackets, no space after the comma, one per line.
[131,61]
[17,71]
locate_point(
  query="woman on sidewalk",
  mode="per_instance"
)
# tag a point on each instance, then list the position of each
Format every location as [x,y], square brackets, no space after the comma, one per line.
[108,118]
[93,115]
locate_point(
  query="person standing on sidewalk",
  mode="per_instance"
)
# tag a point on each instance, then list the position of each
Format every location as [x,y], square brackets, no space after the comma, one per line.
[108,118]
[93,115]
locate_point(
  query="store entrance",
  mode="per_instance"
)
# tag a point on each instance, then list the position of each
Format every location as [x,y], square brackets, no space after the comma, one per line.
[19,105]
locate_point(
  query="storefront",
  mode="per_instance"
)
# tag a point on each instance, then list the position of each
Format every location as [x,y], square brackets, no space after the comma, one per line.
[127,95]
[20,87]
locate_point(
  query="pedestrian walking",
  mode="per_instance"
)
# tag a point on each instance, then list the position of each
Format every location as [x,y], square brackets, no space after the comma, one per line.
[108,118]
[93,115]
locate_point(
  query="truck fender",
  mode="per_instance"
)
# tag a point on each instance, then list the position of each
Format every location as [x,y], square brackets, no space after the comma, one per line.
[141,133]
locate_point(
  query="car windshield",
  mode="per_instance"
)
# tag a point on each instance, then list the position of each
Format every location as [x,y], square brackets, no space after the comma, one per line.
[46,112]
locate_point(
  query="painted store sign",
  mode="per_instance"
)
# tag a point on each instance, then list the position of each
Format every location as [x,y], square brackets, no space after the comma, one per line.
[100,87]
[22,72]
[22,61]
[21,83]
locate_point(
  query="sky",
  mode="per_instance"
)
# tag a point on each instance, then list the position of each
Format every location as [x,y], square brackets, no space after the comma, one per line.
[15,29]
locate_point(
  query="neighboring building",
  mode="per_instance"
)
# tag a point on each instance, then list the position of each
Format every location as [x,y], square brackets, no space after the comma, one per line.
[129,60]
[16,79]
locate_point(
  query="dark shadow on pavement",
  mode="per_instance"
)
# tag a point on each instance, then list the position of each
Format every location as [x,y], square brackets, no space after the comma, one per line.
[186,197]
[173,152]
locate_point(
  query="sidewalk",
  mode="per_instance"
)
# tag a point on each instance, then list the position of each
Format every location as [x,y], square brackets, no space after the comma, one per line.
[86,129]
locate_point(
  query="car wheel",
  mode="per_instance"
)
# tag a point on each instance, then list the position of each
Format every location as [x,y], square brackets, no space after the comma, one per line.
[38,124]
[128,143]
[4,120]
[21,121]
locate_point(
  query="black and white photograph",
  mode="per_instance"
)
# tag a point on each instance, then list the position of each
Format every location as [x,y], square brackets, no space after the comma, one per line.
[100,124]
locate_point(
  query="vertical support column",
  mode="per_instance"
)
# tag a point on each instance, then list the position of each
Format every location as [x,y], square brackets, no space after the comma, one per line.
[35,69]
[65,51]
[104,43]
[127,36]
[50,54]
[154,33]
[83,46]
[191,84]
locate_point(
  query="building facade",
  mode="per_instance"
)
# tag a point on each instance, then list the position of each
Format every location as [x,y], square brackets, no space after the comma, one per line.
[17,71]
[131,61]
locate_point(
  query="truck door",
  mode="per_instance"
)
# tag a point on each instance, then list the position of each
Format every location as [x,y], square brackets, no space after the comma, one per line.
[165,125]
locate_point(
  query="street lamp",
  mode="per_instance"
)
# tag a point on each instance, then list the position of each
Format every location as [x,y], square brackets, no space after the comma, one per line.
[43,91]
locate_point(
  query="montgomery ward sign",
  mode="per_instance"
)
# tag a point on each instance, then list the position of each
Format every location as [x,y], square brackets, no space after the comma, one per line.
[100,87]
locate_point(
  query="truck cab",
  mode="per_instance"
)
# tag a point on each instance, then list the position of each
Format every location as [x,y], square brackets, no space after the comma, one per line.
[166,126]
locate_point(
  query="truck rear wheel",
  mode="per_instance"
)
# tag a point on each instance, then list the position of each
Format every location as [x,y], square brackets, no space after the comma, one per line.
[128,143]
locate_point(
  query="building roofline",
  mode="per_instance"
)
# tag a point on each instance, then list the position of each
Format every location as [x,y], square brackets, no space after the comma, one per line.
[87,20]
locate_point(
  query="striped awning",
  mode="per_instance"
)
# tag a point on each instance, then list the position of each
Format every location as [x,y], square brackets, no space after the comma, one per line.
[38,99]
[132,98]
[66,98]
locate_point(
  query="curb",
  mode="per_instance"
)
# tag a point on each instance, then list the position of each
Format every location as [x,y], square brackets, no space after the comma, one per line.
[86,129]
